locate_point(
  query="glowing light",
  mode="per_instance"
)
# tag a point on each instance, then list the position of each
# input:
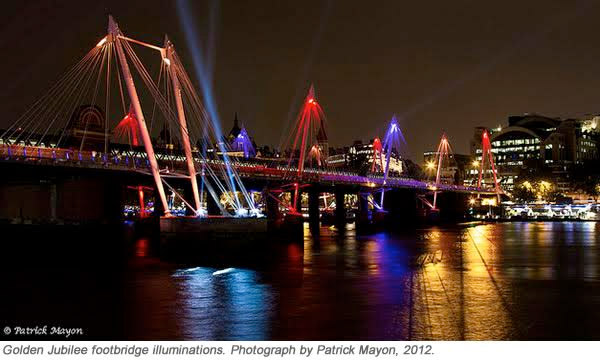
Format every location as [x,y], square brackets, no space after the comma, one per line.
[186,271]
[128,128]
[243,143]
[490,202]
[224,271]
[545,185]
[430,165]
[377,155]
[167,61]
[204,69]
[393,140]
[256,213]
[202,213]
[242,212]
[472,201]
[475,163]
[101,42]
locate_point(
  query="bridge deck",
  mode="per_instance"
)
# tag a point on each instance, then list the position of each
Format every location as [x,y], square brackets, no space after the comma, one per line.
[125,160]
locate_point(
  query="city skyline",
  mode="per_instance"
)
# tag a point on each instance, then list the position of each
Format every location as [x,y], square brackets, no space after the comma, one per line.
[431,75]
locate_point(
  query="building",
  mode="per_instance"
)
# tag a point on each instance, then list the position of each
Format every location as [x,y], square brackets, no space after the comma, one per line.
[359,158]
[533,141]
[323,142]
[235,129]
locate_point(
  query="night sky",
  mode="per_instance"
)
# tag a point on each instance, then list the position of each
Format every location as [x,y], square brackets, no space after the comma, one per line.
[438,65]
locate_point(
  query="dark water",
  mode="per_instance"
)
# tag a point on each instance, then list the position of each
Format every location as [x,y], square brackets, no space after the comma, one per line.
[496,281]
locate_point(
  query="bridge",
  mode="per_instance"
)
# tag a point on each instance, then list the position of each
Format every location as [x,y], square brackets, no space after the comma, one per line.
[67,137]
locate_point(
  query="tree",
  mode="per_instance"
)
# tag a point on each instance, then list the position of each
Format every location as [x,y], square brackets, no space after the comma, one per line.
[586,178]
[556,196]
[524,192]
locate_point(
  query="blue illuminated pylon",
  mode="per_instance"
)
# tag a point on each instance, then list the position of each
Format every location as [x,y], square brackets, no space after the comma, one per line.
[394,139]
[243,143]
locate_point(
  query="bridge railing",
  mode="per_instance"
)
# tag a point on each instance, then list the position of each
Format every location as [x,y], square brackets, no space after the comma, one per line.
[70,157]
[122,159]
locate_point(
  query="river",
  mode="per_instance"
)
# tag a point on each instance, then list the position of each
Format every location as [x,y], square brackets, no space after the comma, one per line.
[521,280]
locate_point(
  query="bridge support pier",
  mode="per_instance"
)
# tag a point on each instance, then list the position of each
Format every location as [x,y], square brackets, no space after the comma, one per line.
[188,193]
[340,209]
[452,206]
[401,205]
[313,208]
[272,205]
[363,218]
[159,209]
[112,201]
[53,201]
[212,208]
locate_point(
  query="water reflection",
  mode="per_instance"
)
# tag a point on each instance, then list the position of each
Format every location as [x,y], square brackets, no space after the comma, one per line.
[495,281]
[222,303]
[436,283]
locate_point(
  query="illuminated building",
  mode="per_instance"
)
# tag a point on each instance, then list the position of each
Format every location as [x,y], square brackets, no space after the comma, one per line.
[535,141]
[359,158]
[323,143]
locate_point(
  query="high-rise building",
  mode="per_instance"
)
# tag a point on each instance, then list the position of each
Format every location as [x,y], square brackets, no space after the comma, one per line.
[534,141]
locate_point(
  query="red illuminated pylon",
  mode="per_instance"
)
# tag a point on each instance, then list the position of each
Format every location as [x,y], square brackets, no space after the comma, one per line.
[315,153]
[128,128]
[309,123]
[486,152]
[377,154]
[140,190]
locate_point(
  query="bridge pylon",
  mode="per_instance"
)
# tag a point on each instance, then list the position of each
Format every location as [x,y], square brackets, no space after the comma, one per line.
[443,151]
[172,65]
[486,153]
[114,35]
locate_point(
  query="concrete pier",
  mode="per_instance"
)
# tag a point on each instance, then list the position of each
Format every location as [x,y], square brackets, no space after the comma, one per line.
[196,237]
[212,208]
[313,208]
[340,209]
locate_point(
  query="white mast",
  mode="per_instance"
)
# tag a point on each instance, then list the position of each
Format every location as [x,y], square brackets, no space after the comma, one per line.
[114,33]
[172,67]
